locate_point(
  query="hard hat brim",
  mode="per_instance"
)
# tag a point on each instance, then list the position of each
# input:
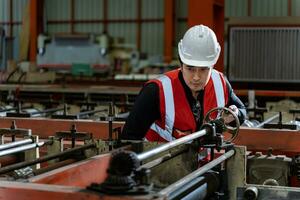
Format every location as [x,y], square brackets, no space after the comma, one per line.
[196,63]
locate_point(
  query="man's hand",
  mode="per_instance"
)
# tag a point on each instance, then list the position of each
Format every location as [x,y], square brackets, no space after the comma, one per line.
[178,133]
[228,116]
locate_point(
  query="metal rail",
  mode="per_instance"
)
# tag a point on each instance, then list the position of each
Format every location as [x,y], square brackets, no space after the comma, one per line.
[10,109]
[79,115]
[14,144]
[21,148]
[268,121]
[172,144]
[50,110]
[44,159]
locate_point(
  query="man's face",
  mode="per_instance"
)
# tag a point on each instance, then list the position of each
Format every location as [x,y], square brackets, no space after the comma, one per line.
[195,77]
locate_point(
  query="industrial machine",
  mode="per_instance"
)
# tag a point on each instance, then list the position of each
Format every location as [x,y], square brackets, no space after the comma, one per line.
[84,159]
[133,173]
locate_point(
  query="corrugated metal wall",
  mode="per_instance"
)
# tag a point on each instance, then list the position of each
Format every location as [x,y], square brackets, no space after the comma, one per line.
[181,11]
[18,10]
[4,14]
[57,10]
[237,8]
[122,9]
[264,54]
[261,8]
[152,9]
[88,11]
[152,32]
[269,8]
[295,7]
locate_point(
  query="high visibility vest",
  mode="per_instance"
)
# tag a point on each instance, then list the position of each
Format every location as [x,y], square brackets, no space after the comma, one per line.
[175,111]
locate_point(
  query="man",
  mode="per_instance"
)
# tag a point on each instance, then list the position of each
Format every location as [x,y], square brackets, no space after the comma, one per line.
[174,105]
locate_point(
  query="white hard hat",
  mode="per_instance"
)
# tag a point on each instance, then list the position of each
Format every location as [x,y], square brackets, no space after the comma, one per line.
[199,47]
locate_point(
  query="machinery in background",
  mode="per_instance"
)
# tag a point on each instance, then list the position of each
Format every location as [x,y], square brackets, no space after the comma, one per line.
[139,170]
[79,97]
[125,172]
[27,155]
[67,52]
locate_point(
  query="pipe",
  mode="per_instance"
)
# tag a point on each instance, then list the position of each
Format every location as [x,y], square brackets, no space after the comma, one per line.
[199,172]
[47,111]
[90,112]
[10,109]
[164,158]
[251,193]
[44,159]
[170,145]
[14,144]
[21,148]
[267,121]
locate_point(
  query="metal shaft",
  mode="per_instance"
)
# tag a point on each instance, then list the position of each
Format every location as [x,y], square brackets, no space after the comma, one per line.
[10,109]
[199,172]
[164,158]
[21,148]
[44,159]
[172,144]
[14,144]
[267,121]
[47,111]
[90,112]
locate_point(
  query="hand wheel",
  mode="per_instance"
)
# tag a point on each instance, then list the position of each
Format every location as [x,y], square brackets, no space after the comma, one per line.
[221,113]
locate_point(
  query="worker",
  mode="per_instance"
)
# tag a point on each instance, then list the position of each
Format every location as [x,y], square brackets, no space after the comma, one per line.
[175,104]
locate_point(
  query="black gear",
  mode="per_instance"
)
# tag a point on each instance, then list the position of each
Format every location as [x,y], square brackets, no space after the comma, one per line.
[123,163]
[121,169]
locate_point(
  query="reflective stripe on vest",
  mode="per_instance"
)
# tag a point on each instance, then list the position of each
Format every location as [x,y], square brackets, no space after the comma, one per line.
[218,86]
[166,132]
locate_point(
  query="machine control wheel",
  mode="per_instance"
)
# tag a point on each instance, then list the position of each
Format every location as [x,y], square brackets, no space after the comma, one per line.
[219,115]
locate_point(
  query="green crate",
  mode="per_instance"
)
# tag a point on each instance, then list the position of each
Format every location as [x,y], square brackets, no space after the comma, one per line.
[79,69]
